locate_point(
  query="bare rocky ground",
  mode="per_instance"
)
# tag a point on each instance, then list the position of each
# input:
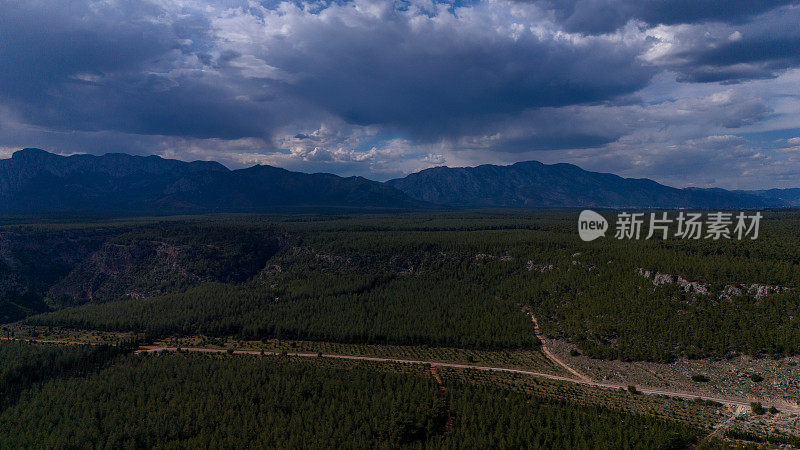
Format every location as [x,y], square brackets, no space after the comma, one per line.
[781,423]
[726,377]
[56,335]
[731,378]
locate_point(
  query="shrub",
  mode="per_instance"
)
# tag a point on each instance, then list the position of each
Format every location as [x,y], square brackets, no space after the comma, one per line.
[700,378]
[756,378]
[757,408]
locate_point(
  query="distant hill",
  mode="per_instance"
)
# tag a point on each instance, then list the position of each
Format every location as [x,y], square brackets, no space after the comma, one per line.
[533,184]
[785,197]
[33,180]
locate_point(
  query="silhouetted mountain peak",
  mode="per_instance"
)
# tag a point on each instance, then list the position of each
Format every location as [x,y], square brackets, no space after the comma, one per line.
[534,184]
[31,155]
[34,180]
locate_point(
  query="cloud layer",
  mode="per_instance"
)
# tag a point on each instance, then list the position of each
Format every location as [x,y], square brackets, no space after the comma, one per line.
[681,91]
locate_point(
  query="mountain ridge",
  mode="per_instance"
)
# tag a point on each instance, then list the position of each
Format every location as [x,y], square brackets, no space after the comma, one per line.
[36,181]
[534,184]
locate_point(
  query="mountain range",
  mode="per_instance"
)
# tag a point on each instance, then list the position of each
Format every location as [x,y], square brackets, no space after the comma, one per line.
[35,181]
[533,184]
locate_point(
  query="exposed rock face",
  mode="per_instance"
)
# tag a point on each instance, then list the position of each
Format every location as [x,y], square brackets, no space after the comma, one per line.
[665,278]
[138,270]
[541,268]
[53,266]
[760,290]
[489,257]
[693,286]
[728,291]
[141,268]
[335,259]
[33,259]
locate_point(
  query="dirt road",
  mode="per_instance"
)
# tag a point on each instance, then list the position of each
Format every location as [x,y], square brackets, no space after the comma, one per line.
[576,377]
[722,427]
[643,390]
[555,359]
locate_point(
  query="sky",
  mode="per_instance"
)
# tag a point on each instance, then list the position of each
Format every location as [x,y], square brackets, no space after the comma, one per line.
[685,92]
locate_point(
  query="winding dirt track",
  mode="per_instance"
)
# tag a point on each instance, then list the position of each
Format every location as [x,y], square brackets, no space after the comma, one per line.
[577,377]
[555,359]
[651,391]
[722,427]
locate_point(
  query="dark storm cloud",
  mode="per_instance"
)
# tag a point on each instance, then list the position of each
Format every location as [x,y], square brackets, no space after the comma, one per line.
[378,86]
[758,49]
[147,104]
[115,66]
[430,79]
[768,43]
[605,16]
[422,89]
[47,42]
[557,142]
[138,69]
